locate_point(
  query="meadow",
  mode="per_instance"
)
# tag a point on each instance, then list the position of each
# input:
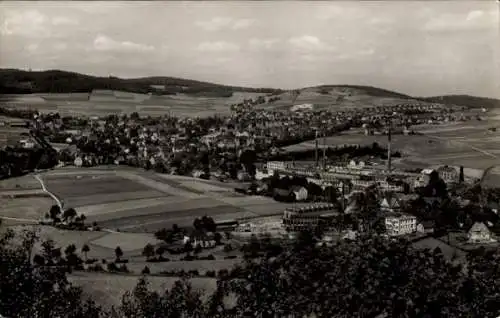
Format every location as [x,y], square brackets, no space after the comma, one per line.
[180,105]
[469,144]
[143,202]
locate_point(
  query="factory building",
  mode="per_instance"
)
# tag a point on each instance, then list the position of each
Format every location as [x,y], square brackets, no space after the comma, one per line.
[299,219]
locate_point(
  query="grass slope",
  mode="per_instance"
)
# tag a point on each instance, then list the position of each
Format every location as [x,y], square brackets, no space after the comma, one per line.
[465,100]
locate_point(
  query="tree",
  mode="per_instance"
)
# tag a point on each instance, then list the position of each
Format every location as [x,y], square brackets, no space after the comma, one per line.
[217,238]
[70,249]
[180,301]
[165,235]
[85,250]
[175,228]
[48,248]
[118,253]
[160,251]
[197,224]
[39,260]
[146,270]
[148,251]
[54,212]
[37,291]
[198,249]
[69,214]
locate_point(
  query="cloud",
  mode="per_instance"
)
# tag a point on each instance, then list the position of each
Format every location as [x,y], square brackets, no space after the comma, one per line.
[330,12]
[105,43]
[60,46]
[32,47]
[30,23]
[64,21]
[218,46]
[262,44]
[218,23]
[473,20]
[242,24]
[309,43]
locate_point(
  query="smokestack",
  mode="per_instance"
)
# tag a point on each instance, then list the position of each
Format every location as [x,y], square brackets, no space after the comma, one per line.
[389,149]
[324,151]
[316,150]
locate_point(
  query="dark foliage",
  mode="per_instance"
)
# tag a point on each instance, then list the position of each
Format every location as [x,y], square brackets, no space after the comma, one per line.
[56,81]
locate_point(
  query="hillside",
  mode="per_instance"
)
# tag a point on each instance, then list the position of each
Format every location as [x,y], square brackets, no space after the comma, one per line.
[465,100]
[13,81]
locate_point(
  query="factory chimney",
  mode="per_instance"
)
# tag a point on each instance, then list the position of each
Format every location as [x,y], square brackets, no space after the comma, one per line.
[389,149]
[324,151]
[316,154]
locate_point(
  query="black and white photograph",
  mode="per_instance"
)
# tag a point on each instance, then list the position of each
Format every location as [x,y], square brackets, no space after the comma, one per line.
[267,159]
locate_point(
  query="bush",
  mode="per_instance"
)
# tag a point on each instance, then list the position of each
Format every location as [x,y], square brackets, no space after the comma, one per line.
[210,274]
[121,261]
[96,268]
[123,269]
[230,257]
[194,272]
[91,261]
[223,273]
[111,267]
[228,248]
[189,258]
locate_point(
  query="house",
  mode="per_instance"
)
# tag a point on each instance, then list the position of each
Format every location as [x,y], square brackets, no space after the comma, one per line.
[210,139]
[426,176]
[356,165]
[390,204]
[78,162]
[479,233]
[400,224]
[426,227]
[300,193]
[494,207]
[448,174]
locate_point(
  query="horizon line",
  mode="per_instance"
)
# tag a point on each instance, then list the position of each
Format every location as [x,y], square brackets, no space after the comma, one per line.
[244,87]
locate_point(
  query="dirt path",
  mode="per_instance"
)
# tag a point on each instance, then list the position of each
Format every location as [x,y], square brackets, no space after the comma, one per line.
[44,189]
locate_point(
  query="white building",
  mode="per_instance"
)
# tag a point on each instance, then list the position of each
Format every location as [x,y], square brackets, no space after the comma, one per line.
[479,233]
[400,225]
[276,166]
[210,139]
[295,108]
[300,193]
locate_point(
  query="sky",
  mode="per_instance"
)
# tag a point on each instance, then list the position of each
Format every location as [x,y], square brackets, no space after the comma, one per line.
[420,48]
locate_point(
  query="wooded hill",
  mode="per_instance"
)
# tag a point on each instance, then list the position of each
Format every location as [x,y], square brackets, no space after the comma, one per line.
[13,81]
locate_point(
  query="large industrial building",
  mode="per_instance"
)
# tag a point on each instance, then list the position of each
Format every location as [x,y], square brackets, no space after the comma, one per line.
[300,219]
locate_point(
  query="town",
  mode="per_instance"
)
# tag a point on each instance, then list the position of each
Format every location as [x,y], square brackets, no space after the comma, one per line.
[253,160]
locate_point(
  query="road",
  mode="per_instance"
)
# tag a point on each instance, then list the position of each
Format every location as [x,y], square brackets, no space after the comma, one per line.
[44,189]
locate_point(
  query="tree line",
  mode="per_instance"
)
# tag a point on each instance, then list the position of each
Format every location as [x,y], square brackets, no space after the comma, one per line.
[369,277]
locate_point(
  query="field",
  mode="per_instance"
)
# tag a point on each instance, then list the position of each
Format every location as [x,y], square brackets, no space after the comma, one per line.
[340,98]
[27,182]
[137,201]
[467,144]
[25,208]
[10,135]
[120,102]
[108,289]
